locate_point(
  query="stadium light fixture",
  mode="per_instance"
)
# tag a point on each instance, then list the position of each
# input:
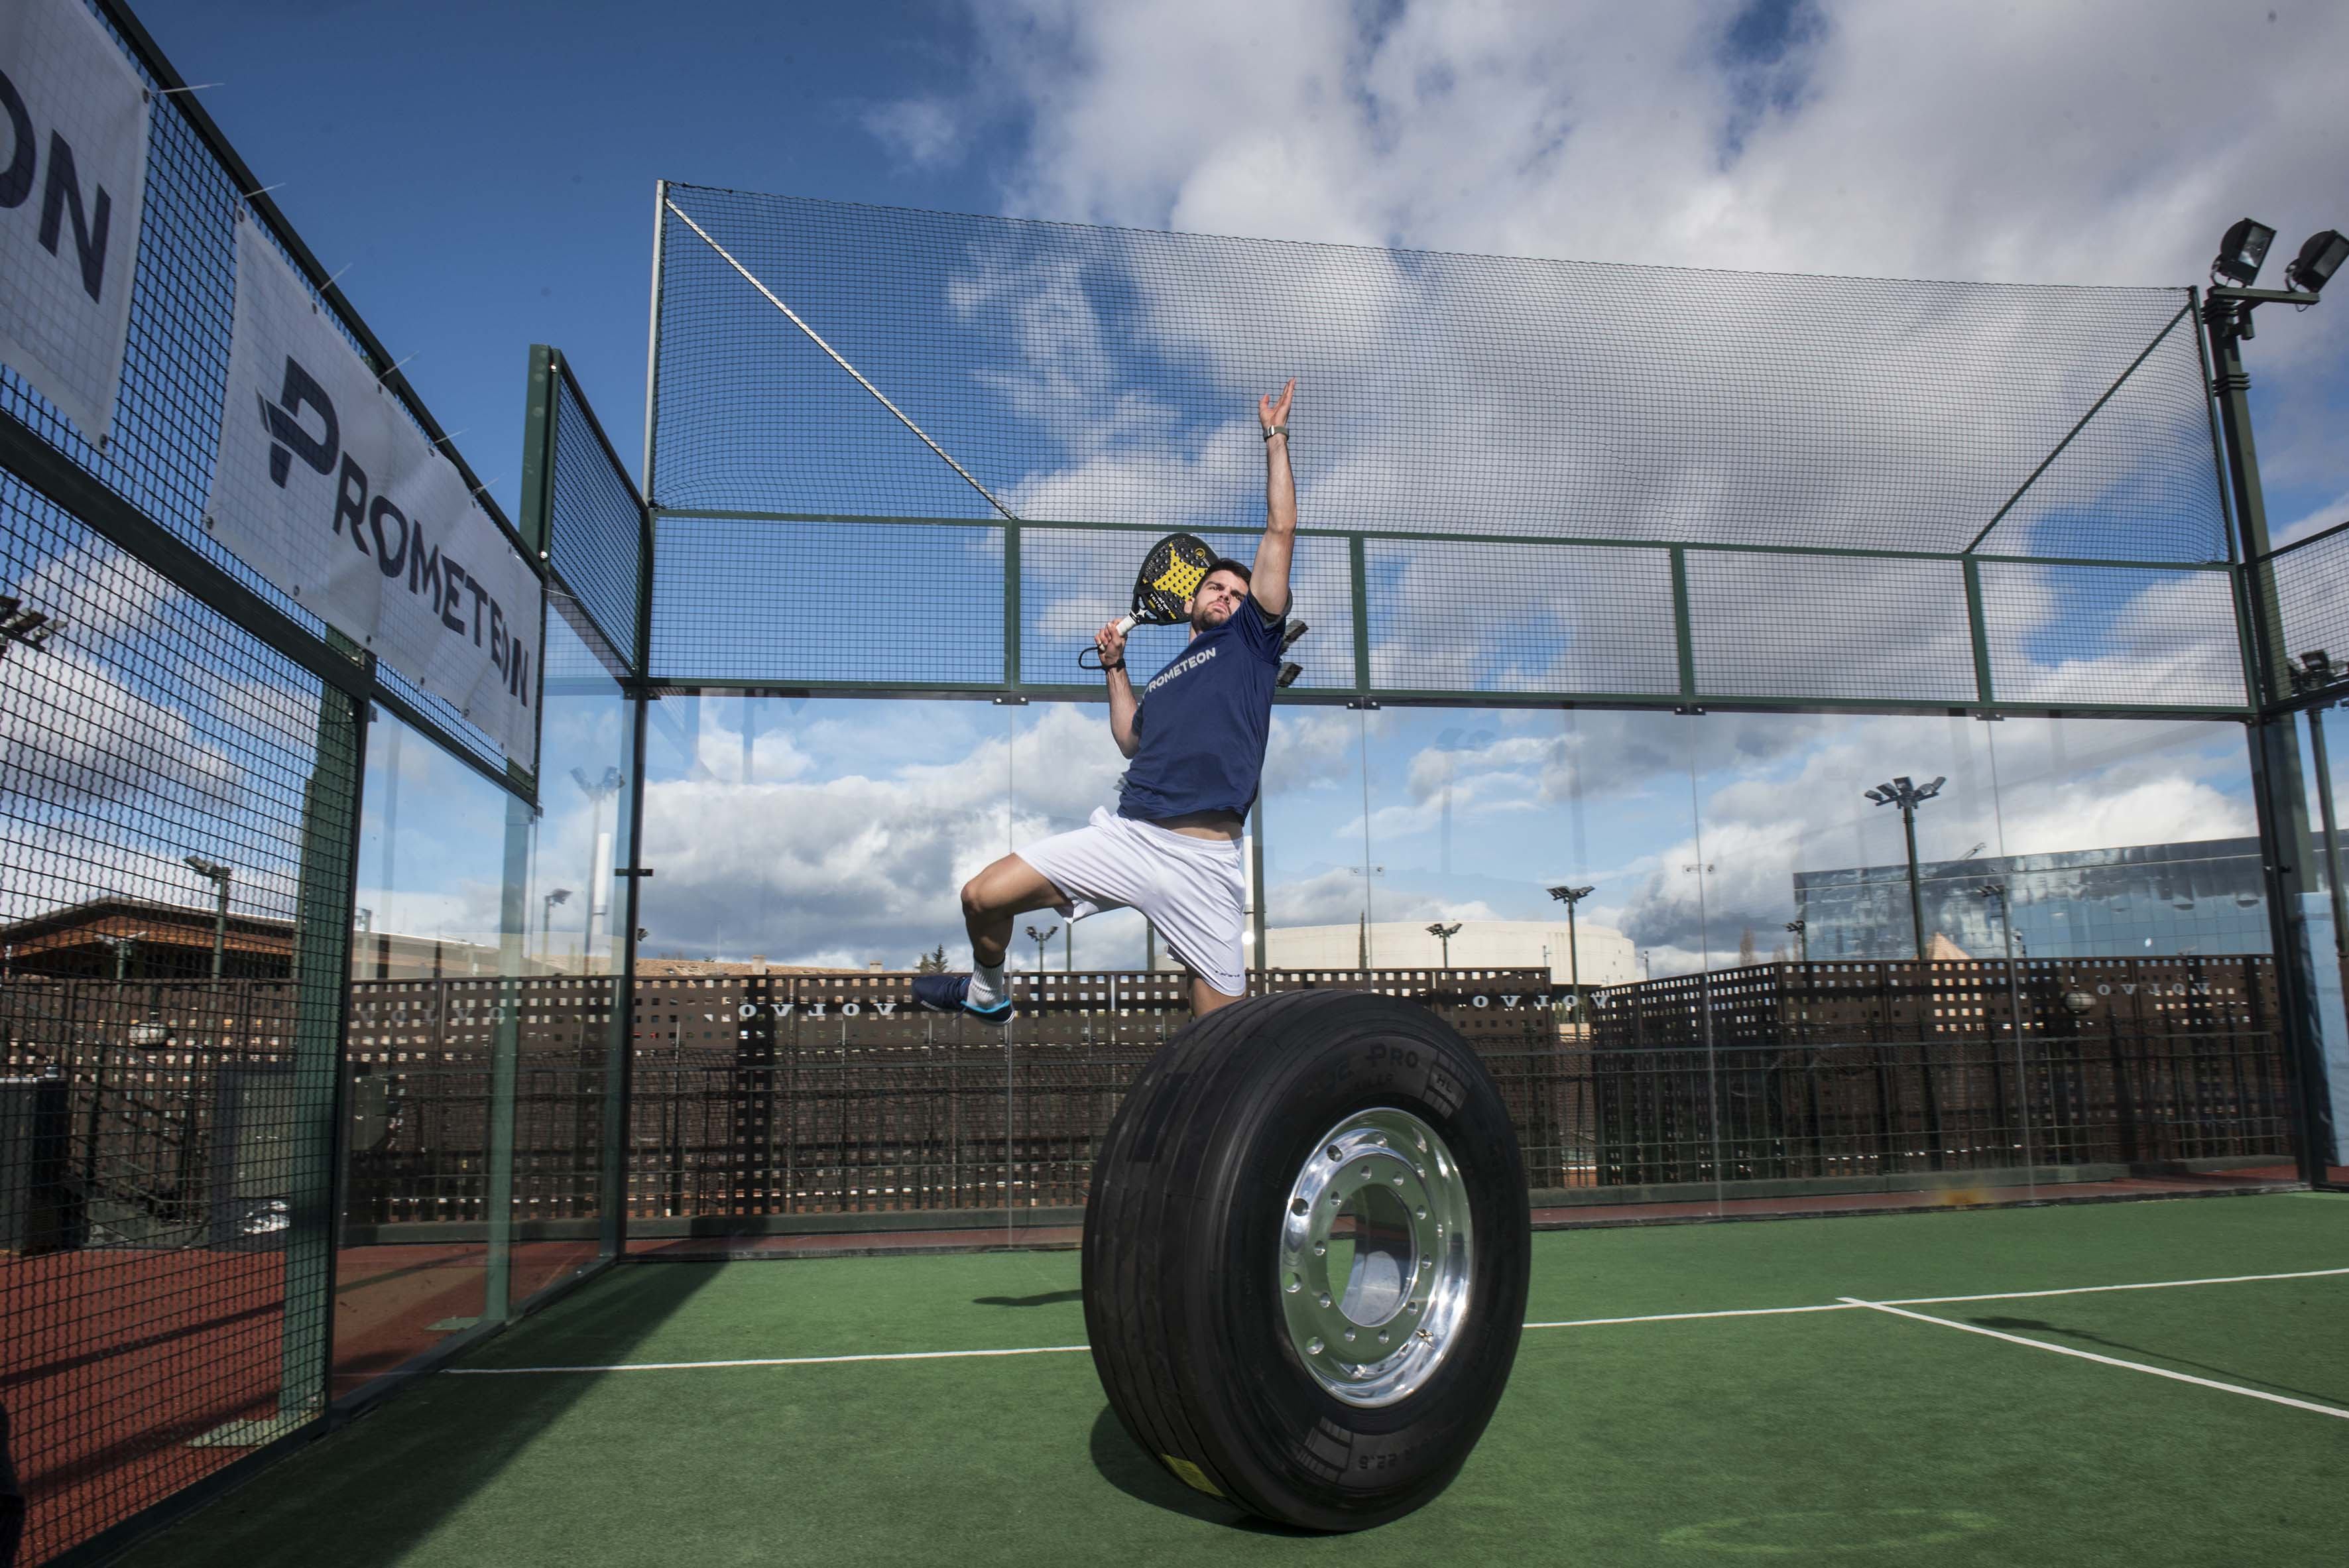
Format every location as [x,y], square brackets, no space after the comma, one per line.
[21,627]
[2243,252]
[1570,896]
[220,876]
[2318,260]
[1444,934]
[1907,795]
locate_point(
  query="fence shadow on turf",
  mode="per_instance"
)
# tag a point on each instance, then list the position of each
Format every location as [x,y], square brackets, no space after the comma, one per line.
[1136,1474]
[368,1495]
[1048,1298]
[2039,1326]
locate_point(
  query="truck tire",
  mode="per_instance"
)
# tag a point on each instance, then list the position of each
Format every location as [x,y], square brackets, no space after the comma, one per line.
[1306,1252]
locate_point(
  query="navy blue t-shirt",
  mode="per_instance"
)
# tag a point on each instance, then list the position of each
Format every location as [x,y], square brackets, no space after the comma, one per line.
[1204,721]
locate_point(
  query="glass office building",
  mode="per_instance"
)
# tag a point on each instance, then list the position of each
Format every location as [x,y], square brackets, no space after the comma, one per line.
[2144,901]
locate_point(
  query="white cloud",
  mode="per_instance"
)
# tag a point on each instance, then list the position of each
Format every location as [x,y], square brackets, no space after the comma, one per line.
[2076,144]
[925,133]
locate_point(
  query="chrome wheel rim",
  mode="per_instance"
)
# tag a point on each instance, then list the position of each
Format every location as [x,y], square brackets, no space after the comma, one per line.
[1375,1258]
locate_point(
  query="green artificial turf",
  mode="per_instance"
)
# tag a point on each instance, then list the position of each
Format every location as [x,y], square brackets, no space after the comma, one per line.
[1846,1437]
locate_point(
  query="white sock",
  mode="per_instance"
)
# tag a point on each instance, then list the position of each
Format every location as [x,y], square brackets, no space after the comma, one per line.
[986,985]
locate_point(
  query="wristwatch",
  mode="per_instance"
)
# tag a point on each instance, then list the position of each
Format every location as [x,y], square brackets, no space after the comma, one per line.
[1275,431]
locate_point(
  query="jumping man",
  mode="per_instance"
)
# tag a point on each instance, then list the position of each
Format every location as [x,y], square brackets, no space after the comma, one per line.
[1196,736]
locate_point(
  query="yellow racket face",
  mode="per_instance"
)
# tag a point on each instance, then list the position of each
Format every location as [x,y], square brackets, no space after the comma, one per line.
[1170,575]
[1181,578]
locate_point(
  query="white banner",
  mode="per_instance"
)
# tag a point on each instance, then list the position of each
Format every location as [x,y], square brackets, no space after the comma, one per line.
[73,171]
[328,489]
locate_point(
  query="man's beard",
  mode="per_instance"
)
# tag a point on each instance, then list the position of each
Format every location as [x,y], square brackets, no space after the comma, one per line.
[1199,621]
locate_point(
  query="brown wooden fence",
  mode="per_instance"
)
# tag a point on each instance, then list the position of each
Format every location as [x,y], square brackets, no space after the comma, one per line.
[765,1097]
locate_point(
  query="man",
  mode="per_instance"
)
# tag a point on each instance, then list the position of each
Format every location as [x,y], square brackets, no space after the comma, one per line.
[1195,736]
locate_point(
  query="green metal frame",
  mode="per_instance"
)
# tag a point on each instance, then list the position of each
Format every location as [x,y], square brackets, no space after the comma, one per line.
[1687,691]
[543,433]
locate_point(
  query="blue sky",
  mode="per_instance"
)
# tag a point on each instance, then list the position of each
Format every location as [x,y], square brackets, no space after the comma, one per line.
[485,173]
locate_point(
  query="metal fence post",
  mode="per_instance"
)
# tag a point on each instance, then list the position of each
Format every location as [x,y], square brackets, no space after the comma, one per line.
[319,1027]
[2278,792]
[505,1050]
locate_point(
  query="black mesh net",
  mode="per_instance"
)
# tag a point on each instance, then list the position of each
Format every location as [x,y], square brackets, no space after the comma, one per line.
[1107,374]
[159,453]
[1499,451]
[176,806]
[596,539]
[2308,584]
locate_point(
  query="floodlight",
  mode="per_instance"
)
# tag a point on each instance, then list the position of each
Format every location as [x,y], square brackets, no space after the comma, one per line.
[2241,251]
[2318,260]
[1571,896]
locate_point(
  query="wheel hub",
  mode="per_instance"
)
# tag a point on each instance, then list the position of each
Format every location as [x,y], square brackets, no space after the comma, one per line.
[1375,1256]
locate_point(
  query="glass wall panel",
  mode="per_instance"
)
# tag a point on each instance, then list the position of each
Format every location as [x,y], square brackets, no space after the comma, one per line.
[2329,935]
[2140,915]
[1088,1018]
[423,1125]
[2023,953]
[1518,868]
[574,951]
[808,857]
[1859,1004]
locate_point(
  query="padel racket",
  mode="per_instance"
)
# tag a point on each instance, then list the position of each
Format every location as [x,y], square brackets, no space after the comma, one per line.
[1170,573]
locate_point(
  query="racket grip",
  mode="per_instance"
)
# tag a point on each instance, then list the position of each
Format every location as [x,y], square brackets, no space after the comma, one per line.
[1125,623]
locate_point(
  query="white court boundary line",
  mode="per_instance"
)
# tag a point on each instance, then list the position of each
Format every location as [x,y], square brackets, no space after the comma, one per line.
[1847,1304]
[1844,1304]
[2101,1360]
[771,1361]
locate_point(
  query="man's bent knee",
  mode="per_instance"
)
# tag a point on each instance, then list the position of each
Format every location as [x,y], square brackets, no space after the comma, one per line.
[1010,886]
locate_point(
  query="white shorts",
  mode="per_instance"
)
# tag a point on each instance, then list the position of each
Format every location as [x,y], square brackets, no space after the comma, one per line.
[1194,889]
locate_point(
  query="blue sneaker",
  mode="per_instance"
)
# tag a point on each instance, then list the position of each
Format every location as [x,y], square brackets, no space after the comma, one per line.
[947,993]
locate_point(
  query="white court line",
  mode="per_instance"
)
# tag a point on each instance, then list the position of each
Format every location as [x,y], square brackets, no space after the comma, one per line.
[2102,1360]
[769,1361]
[1689,1317]
[1845,1304]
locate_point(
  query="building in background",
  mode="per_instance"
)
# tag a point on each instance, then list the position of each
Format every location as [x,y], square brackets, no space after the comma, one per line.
[2143,900]
[1607,956]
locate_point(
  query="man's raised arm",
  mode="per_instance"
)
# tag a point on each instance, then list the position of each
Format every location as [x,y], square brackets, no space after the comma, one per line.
[1269,578]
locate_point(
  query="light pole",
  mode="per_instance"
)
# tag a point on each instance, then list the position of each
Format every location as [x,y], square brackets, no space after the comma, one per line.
[1801,929]
[1444,934]
[1702,870]
[1366,871]
[546,923]
[2285,850]
[1909,796]
[1570,896]
[220,877]
[597,792]
[124,946]
[1039,938]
